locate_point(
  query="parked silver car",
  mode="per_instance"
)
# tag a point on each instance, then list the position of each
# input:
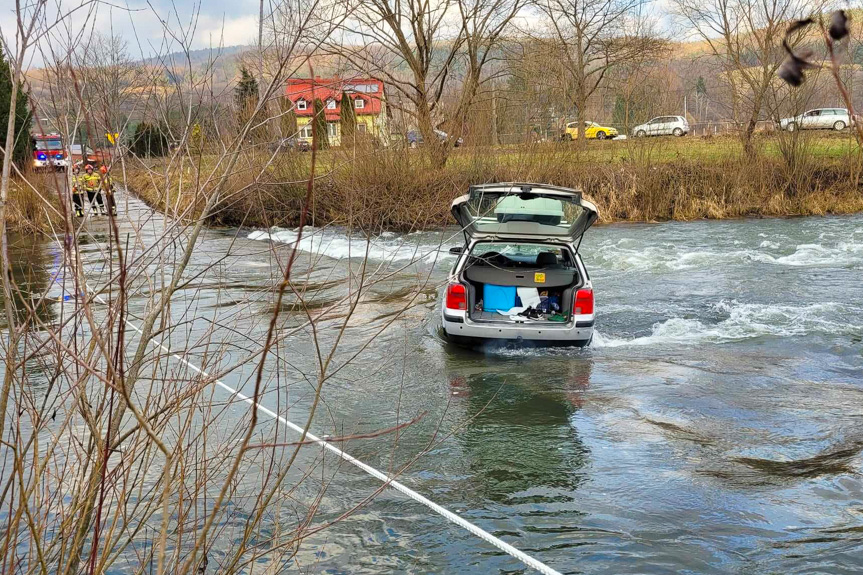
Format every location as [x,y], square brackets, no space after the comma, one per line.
[819,119]
[519,276]
[662,126]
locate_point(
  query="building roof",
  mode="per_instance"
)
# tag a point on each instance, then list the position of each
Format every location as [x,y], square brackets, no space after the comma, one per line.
[370,90]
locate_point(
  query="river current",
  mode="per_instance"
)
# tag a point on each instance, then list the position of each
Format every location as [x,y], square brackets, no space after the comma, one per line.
[715,425]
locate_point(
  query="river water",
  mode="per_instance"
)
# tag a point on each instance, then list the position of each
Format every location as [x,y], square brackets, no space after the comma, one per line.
[715,425]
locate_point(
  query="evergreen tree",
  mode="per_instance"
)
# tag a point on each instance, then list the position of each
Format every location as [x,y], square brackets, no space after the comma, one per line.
[245,96]
[347,120]
[319,126]
[288,120]
[700,87]
[624,112]
[21,151]
[149,140]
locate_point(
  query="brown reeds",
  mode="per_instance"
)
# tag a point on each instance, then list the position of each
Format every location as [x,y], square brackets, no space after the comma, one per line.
[629,181]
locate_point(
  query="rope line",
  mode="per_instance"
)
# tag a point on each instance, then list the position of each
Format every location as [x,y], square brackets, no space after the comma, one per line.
[383,477]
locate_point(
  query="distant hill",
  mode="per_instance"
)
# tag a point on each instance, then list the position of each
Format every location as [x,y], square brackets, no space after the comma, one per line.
[200,57]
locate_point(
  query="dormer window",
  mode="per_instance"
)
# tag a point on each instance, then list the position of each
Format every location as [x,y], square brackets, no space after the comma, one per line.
[331,104]
[302,105]
[359,104]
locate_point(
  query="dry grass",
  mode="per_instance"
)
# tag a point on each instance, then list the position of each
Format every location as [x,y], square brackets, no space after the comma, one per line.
[661,179]
[34,208]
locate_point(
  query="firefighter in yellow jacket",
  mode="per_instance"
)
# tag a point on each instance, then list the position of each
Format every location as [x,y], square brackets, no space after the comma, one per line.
[108,188]
[93,186]
[78,191]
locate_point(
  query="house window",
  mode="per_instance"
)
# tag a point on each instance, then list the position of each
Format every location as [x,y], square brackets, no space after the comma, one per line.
[306,131]
[301,105]
[359,104]
[332,129]
[331,104]
[361,128]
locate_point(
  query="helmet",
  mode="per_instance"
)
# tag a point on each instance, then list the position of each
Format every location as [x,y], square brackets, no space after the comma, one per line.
[88,167]
[104,169]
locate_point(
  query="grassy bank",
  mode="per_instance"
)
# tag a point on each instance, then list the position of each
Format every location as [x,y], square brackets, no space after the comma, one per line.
[33,203]
[636,180]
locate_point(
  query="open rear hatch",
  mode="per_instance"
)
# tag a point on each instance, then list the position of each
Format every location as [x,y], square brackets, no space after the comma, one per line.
[526,211]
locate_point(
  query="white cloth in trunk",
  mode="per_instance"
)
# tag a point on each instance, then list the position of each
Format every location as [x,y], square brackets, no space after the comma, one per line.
[529,297]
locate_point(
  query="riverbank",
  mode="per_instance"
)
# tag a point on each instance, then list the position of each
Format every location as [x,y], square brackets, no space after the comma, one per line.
[636,180]
[33,205]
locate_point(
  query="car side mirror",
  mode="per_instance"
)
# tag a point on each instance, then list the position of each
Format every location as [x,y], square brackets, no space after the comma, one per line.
[456,250]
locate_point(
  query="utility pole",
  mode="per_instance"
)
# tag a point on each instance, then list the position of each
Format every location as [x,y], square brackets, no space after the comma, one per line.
[495,140]
[261,45]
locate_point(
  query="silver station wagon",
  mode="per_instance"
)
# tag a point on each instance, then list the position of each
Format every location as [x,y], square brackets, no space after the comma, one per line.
[519,276]
[821,119]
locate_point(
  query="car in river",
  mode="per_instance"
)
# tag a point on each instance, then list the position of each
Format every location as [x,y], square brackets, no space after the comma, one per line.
[519,276]
[662,126]
[820,119]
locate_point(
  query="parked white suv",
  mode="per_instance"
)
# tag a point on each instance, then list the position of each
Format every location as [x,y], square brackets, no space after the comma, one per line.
[819,119]
[519,275]
[662,126]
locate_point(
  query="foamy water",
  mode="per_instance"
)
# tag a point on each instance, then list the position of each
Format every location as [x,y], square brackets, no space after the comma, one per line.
[387,246]
[746,321]
[622,255]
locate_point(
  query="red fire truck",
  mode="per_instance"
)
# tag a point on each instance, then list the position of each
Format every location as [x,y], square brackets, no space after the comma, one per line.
[49,152]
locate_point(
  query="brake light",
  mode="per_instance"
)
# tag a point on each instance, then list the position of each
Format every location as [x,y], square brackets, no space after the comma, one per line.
[456,296]
[583,302]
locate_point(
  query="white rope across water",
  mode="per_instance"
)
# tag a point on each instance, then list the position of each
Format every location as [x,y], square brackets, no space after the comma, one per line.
[389,481]
[444,512]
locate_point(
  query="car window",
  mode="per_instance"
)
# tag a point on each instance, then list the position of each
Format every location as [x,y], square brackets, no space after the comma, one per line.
[655,121]
[811,113]
[519,252]
[571,125]
[828,112]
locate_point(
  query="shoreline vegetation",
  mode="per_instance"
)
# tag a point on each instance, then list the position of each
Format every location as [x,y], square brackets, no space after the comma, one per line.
[630,181]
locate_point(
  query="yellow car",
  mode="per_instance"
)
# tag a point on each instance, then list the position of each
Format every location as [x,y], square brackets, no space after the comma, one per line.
[592,131]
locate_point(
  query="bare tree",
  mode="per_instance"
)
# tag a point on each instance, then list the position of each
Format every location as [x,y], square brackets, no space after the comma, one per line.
[442,45]
[589,38]
[746,36]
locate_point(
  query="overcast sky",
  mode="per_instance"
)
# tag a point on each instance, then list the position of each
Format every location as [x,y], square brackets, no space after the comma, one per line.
[143,24]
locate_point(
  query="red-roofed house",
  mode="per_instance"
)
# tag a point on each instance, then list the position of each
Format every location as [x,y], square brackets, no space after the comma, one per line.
[366,95]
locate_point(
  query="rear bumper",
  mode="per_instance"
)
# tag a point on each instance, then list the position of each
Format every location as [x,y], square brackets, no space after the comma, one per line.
[466,331]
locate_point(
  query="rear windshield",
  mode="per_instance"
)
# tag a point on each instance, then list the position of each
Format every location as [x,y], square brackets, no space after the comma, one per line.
[49,144]
[554,216]
[523,253]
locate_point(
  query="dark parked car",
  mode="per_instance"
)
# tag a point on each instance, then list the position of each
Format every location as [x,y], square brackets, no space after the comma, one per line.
[414,138]
[290,144]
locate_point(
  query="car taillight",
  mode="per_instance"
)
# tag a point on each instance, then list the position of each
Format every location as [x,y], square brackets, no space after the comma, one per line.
[583,304]
[456,296]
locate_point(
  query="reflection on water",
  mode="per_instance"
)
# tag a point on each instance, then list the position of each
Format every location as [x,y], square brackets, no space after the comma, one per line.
[34,266]
[518,436]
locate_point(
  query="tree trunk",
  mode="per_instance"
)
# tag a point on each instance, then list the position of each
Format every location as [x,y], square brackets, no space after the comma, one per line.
[579,116]
[436,149]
